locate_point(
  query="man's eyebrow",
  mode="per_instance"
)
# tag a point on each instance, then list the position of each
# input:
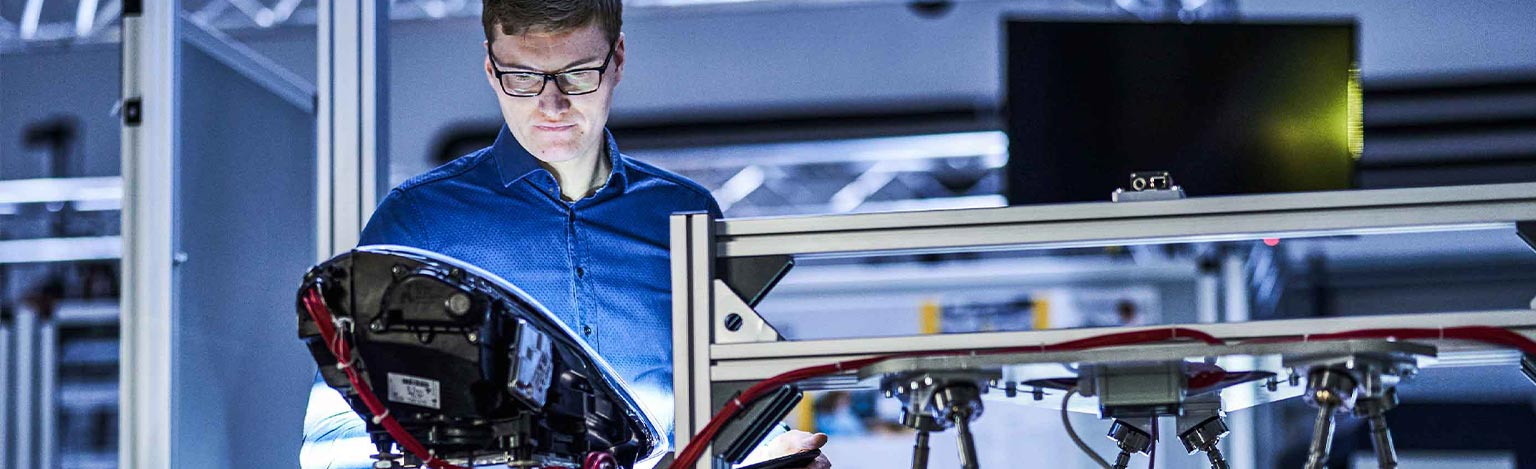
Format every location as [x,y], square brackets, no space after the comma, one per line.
[579,62]
[495,61]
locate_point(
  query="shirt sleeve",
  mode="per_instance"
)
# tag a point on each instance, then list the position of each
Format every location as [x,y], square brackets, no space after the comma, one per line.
[397,221]
[712,206]
[335,437]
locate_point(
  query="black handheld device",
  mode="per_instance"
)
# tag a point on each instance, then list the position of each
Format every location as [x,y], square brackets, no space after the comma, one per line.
[792,461]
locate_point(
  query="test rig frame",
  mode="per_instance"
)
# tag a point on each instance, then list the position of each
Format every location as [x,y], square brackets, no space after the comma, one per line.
[722,268]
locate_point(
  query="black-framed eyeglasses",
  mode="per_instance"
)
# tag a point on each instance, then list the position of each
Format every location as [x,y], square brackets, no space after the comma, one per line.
[571,82]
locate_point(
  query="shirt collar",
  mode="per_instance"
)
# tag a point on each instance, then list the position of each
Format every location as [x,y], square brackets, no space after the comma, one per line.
[515,163]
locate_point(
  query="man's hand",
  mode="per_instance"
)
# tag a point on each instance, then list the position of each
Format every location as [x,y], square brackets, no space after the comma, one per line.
[796,441]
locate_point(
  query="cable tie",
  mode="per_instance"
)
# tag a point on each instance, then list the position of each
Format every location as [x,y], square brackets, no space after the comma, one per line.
[378,419]
[343,322]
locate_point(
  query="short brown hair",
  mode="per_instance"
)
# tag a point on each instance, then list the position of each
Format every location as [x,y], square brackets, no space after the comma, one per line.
[520,16]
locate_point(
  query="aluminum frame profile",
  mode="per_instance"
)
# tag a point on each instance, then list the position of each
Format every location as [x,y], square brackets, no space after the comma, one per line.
[702,361]
[1490,206]
[150,75]
[757,361]
[7,399]
[351,119]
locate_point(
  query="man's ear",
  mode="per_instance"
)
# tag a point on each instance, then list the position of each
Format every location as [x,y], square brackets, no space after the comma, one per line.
[490,75]
[618,59]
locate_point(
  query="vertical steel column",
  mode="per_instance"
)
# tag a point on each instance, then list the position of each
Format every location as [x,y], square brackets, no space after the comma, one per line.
[1241,443]
[1207,294]
[351,119]
[149,79]
[7,401]
[25,443]
[693,260]
[682,335]
[47,393]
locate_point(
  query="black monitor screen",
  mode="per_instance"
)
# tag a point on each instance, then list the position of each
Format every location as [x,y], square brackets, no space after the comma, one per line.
[1228,108]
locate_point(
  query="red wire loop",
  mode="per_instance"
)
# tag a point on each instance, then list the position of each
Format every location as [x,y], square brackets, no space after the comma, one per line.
[339,346]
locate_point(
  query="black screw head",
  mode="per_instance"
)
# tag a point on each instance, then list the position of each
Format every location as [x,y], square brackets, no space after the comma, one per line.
[733,322]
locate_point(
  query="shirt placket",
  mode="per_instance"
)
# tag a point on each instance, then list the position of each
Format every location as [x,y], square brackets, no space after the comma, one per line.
[586,324]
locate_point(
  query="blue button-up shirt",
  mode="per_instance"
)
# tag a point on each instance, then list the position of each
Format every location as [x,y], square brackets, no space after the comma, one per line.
[600,263]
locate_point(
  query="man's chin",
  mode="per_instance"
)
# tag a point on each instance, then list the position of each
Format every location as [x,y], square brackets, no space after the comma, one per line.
[555,155]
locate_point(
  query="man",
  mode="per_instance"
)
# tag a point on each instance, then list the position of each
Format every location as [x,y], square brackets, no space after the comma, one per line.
[553,207]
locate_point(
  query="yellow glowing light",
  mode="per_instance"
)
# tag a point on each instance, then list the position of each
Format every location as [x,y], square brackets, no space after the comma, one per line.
[1356,115]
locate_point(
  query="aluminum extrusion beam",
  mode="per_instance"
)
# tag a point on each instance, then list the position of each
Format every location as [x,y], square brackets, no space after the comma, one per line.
[149,82]
[739,362]
[23,251]
[1491,206]
[692,313]
[33,191]
[351,119]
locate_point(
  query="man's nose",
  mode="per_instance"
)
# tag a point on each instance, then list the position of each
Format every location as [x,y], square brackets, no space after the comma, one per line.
[553,102]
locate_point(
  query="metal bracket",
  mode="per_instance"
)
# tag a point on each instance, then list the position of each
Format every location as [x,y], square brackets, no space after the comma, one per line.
[1527,232]
[1528,367]
[133,112]
[1135,390]
[1122,195]
[752,277]
[917,390]
[736,322]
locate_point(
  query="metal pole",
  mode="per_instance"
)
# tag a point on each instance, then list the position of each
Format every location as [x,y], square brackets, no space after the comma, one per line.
[149,79]
[26,388]
[7,412]
[1207,290]
[1381,438]
[47,392]
[1322,437]
[966,442]
[351,119]
[920,451]
[1241,447]
[693,261]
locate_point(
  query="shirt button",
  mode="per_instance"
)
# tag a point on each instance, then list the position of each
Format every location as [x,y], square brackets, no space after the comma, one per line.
[580,272]
[586,330]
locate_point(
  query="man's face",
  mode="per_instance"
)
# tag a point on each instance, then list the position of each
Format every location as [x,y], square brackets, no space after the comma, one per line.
[553,126]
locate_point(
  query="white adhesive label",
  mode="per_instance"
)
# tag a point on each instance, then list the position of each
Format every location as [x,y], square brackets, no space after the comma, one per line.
[407,389]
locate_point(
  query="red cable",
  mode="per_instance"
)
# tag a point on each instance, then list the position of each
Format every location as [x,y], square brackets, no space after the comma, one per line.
[315,305]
